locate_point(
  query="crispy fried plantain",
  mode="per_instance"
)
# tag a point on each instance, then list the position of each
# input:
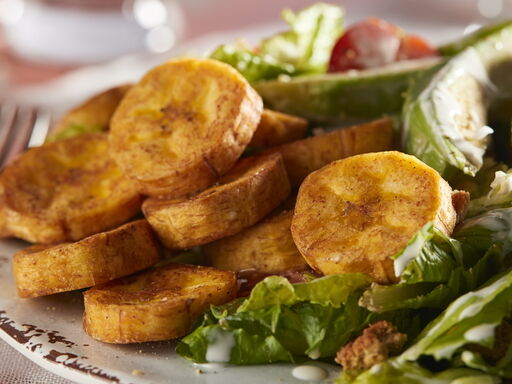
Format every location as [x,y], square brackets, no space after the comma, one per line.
[354,214]
[305,156]
[265,247]
[65,191]
[246,194]
[91,116]
[159,304]
[277,128]
[42,270]
[183,125]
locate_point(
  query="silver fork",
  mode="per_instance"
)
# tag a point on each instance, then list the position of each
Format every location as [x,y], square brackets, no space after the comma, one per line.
[21,127]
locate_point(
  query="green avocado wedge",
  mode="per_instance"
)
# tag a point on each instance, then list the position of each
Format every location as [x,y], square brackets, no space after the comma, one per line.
[456,47]
[335,98]
[445,116]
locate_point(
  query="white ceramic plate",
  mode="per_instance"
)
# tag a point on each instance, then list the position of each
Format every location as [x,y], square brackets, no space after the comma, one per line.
[49,330]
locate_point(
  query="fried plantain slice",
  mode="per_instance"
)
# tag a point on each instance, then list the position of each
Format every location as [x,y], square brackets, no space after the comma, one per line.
[65,191]
[91,116]
[246,194]
[159,304]
[42,270]
[354,214]
[305,156]
[183,125]
[265,247]
[277,128]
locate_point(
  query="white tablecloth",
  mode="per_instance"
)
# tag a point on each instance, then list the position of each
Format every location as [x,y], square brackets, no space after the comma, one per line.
[17,369]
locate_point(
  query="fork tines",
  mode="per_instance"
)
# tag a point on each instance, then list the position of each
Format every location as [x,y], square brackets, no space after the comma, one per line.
[21,127]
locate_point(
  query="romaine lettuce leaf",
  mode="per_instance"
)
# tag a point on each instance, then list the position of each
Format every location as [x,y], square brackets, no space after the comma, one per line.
[462,337]
[432,134]
[439,273]
[332,290]
[254,67]
[394,372]
[381,298]
[304,49]
[469,320]
[432,256]
[309,42]
[490,228]
[478,185]
[445,120]
[293,322]
[421,139]
[500,195]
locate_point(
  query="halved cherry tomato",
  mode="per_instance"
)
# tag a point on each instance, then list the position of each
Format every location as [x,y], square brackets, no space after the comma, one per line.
[368,44]
[415,47]
[374,43]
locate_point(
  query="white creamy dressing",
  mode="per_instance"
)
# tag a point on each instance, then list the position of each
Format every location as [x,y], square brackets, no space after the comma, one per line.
[409,253]
[480,332]
[471,311]
[501,186]
[314,354]
[446,352]
[376,369]
[487,291]
[443,106]
[309,373]
[467,356]
[219,349]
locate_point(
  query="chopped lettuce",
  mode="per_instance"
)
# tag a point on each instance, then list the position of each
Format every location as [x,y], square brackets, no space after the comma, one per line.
[461,343]
[431,256]
[478,185]
[394,372]
[483,231]
[433,135]
[304,49]
[470,320]
[254,67]
[281,322]
[330,290]
[73,130]
[438,272]
[309,42]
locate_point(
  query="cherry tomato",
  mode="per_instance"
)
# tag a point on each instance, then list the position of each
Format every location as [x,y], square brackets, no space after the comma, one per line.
[415,47]
[368,44]
[374,43]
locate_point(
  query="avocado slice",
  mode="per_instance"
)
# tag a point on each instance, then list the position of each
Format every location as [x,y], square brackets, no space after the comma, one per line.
[456,47]
[445,117]
[334,98]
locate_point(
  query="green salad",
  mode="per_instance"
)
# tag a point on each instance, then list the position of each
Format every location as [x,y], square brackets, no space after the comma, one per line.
[453,297]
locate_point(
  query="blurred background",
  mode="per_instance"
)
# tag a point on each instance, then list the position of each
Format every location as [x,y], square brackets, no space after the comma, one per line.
[56,52]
